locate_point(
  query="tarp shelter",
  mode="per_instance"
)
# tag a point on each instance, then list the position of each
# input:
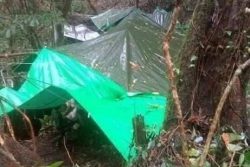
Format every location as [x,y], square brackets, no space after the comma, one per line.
[161,17]
[130,53]
[80,32]
[54,78]
[110,17]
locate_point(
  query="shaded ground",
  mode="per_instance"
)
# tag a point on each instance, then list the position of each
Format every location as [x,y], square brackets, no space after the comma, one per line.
[13,154]
[90,149]
[49,152]
[83,155]
[87,145]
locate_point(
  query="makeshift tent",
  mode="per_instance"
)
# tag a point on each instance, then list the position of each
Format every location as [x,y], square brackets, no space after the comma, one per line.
[129,53]
[80,32]
[110,17]
[54,78]
[161,17]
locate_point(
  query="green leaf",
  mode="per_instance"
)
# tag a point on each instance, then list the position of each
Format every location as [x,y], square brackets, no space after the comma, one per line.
[193,153]
[8,33]
[34,22]
[177,71]
[191,65]
[241,159]
[229,33]
[56,164]
[144,155]
[224,164]
[247,157]
[234,147]
[22,27]
[235,137]
[207,164]
[13,29]
[194,162]
[193,58]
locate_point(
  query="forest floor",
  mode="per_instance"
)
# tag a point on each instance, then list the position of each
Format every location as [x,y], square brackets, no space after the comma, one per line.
[83,155]
[50,152]
[96,150]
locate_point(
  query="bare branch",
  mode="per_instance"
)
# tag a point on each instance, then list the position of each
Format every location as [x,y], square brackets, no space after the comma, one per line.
[70,158]
[26,118]
[8,55]
[218,111]
[171,75]
[8,122]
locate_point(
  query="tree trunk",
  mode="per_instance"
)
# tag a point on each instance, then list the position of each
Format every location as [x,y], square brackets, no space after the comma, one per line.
[92,7]
[66,7]
[33,38]
[58,34]
[214,48]
[137,3]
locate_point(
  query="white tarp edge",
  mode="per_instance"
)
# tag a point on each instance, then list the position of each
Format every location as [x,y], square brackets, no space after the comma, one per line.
[79,32]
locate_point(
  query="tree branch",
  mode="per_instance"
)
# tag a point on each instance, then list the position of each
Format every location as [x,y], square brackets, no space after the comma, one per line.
[5,152]
[218,111]
[8,121]
[171,75]
[26,118]
[11,55]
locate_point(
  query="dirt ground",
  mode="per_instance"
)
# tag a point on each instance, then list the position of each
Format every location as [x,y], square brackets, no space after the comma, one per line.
[50,149]
[82,155]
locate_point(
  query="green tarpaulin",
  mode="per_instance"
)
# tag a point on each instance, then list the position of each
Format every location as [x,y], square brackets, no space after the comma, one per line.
[109,18]
[54,78]
[129,53]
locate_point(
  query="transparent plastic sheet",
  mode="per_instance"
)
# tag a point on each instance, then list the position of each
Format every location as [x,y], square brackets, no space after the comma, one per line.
[107,19]
[161,17]
[130,53]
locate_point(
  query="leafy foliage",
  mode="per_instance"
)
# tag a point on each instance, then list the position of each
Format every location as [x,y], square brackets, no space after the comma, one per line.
[56,164]
[25,27]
